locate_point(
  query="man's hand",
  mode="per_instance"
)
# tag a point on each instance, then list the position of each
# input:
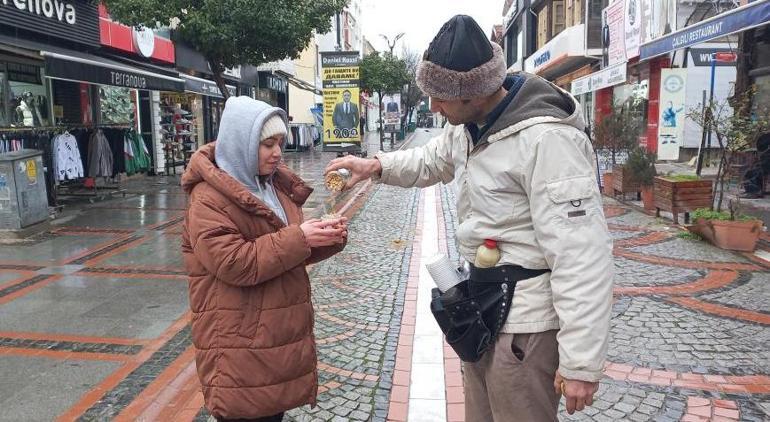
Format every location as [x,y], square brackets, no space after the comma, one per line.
[360,168]
[579,394]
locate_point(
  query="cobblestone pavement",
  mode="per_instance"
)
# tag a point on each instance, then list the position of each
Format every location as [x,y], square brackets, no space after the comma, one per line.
[94,322]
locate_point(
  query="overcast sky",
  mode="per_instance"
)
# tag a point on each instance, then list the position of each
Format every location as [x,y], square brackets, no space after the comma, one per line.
[420,20]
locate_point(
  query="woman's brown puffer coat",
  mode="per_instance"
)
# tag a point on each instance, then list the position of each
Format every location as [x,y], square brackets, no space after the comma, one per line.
[252,323]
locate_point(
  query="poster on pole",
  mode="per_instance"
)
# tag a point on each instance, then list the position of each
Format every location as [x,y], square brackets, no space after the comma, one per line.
[391,113]
[672,113]
[341,112]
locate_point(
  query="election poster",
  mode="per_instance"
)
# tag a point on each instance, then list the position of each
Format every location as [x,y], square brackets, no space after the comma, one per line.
[613,34]
[341,109]
[391,115]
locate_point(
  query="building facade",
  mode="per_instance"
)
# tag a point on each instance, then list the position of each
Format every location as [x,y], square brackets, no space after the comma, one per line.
[622,52]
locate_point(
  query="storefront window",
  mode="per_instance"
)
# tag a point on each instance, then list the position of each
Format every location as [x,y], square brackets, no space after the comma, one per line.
[267,95]
[26,96]
[117,105]
[761,95]
[3,109]
[633,98]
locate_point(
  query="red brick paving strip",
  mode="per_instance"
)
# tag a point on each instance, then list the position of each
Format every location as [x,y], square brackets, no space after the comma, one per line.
[648,239]
[399,394]
[686,263]
[611,211]
[710,410]
[721,310]
[63,354]
[712,280]
[754,384]
[624,228]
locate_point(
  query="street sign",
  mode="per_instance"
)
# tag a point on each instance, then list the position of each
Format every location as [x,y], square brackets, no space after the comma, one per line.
[725,57]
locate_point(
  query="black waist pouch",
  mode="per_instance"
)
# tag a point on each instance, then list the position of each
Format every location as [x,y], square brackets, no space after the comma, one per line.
[472,313]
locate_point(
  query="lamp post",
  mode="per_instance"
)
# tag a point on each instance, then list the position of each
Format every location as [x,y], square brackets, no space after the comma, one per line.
[395,40]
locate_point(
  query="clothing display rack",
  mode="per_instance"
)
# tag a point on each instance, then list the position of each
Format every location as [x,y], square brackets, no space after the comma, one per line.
[77,157]
[302,136]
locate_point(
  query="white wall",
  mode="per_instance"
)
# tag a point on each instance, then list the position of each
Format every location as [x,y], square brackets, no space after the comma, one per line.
[698,80]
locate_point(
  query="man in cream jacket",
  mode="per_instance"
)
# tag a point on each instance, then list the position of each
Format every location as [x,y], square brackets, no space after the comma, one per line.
[516,146]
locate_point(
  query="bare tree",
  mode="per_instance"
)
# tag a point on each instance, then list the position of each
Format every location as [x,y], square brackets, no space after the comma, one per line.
[735,133]
[412,94]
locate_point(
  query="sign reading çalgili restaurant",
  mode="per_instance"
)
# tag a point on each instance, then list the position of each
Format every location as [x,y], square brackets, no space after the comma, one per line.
[72,20]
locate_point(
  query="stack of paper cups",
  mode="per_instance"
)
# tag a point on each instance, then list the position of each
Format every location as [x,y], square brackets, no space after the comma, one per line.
[443,272]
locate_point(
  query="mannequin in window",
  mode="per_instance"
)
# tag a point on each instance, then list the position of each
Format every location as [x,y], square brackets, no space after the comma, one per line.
[24,112]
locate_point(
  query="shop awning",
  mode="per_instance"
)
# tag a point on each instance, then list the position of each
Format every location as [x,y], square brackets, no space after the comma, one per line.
[103,72]
[306,86]
[205,86]
[736,20]
[62,63]
[563,54]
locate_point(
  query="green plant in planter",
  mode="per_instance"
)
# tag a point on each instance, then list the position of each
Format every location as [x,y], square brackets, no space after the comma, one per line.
[618,130]
[709,214]
[641,165]
[683,177]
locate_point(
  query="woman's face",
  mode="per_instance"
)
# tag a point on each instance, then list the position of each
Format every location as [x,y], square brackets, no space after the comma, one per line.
[270,154]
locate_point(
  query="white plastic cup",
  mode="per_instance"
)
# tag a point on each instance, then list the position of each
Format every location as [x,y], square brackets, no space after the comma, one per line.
[443,272]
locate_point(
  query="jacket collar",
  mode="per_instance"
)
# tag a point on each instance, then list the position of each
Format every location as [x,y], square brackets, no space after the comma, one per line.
[203,168]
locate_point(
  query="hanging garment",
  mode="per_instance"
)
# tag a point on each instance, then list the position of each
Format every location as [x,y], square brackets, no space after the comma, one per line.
[137,158]
[115,138]
[67,162]
[100,161]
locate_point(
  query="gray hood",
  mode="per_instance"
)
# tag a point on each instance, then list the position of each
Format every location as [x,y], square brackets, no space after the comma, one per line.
[237,150]
[537,101]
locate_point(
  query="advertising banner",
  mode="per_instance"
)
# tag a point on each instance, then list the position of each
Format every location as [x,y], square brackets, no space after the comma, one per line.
[633,27]
[613,33]
[607,77]
[341,113]
[673,96]
[391,113]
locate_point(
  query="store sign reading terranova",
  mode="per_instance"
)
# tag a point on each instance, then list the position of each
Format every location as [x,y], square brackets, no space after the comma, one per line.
[127,80]
[53,9]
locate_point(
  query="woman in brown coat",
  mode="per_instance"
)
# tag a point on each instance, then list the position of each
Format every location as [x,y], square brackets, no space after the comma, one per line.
[245,247]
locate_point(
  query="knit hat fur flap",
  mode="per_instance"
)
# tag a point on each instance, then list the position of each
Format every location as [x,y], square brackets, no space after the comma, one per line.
[461,63]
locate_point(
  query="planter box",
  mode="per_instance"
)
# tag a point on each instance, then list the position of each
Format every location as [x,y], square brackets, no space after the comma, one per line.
[622,182]
[685,196]
[648,198]
[731,235]
[607,185]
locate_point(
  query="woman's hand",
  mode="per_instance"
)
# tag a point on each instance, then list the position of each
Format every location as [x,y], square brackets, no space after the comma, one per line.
[325,233]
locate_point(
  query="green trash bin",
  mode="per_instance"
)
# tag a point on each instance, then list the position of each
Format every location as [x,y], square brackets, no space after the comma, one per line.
[412,126]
